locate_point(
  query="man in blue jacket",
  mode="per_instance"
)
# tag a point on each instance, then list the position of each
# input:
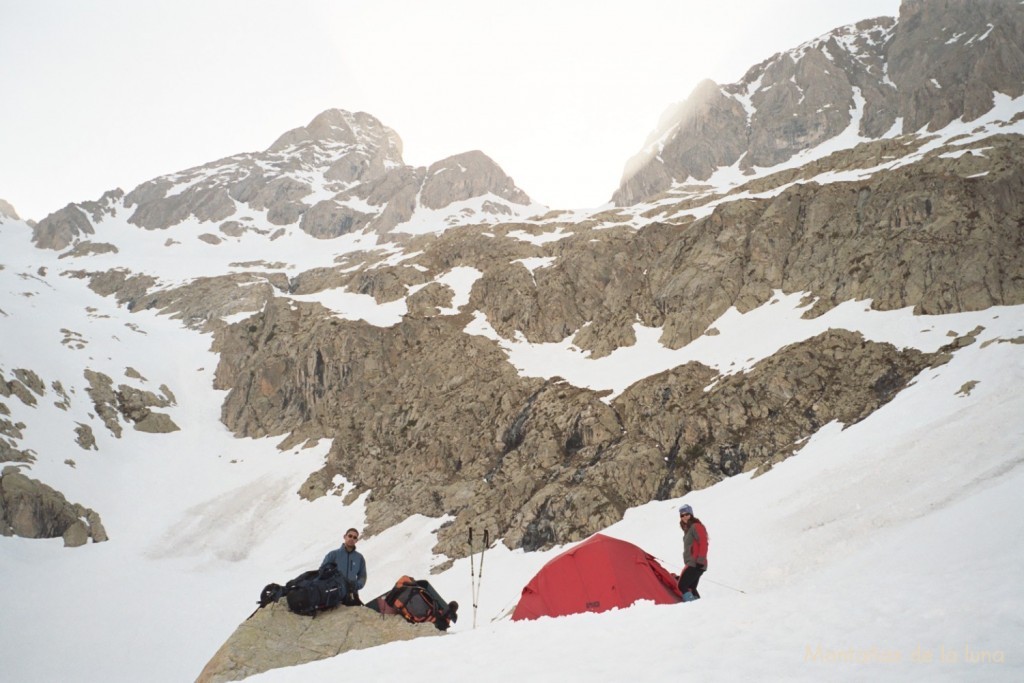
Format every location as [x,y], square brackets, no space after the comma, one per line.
[351,566]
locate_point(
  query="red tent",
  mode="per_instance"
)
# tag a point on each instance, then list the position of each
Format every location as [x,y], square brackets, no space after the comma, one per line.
[597,575]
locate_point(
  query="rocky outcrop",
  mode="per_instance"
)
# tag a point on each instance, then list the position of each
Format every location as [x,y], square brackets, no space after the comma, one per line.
[126,287]
[74,222]
[32,509]
[464,176]
[133,405]
[11,433]
[59,229]
[273,638]
[942,60]
[107,205]
[25,386]
[87,248]
[328,219]
[200,304]
[598,286]
[203,302]
[7,211]
[395,193]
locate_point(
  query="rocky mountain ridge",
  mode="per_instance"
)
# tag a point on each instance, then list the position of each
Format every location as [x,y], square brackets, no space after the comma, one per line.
[341,173]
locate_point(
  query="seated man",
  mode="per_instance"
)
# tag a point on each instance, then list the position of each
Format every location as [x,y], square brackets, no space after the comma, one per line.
[351,566]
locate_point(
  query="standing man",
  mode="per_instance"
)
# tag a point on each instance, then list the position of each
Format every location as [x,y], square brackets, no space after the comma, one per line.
[695,553]
[351,566]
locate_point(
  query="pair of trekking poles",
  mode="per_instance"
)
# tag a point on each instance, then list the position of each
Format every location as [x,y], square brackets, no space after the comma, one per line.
[475,578]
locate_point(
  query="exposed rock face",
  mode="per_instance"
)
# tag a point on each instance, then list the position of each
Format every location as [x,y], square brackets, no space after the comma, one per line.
[946,59]
[273,638]
[32,509]
[57,230]
[394,192]
[711,132]
[66,226]
[538,462]
[929,236]
[941,61]
[760,416]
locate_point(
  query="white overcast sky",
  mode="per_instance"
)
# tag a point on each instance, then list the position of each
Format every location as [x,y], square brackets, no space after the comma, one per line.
[110,93]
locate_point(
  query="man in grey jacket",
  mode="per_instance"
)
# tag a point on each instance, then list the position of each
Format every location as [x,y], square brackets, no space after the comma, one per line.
[351,566]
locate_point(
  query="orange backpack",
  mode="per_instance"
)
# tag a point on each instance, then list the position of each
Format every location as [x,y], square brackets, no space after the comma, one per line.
[418,602]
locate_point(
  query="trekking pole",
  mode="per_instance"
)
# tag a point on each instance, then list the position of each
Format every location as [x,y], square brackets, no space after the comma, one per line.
[482,551]
[472,576]
[479,576]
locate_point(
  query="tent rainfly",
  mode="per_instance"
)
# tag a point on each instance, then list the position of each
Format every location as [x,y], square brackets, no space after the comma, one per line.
[596,575]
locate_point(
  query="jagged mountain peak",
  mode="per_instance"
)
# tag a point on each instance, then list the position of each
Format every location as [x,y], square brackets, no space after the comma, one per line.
[938,62]
[340,126]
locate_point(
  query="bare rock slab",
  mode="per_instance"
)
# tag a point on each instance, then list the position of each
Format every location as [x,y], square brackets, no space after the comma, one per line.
[273,637]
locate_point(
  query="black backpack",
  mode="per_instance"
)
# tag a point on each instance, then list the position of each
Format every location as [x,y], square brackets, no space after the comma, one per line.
[311,592]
